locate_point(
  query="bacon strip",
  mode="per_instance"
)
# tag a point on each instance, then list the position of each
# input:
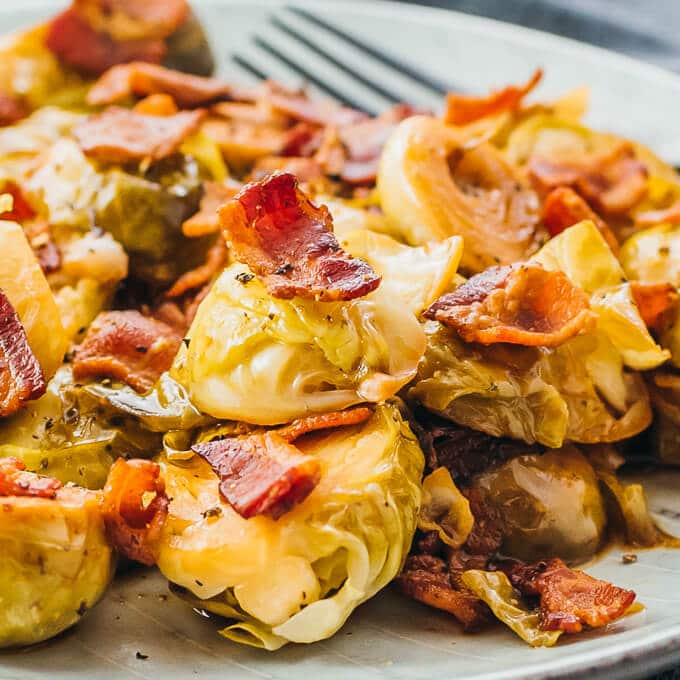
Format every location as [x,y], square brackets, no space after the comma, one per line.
[288,241]
[652,217]
[126,346]
[569,598]
[261,473]
[134,509]
[203,274]
[141,79]
[654,300]
[305,169]
[206,221]
[316,112]
[12,109]
[15,481]
[612,183]
[119,135]
[156,105]
[563,208]
[77,44]
[463,109]
[324,421]
[21,377]
[519,304]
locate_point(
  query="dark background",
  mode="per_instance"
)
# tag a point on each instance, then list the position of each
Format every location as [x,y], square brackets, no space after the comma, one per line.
[645,29]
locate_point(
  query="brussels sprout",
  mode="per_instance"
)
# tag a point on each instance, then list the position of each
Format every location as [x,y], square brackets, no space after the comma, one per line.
[550,505]
[189,49]
[665,391]
[263,360]
[298,578]
[68,435]
[56,563]
[653,255]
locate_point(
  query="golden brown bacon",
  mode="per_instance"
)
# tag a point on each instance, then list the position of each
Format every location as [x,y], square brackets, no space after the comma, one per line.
[563,208]
[119,135]
[141,79]
[288,241]
[612,183]
[652,217]
[11,109]
[654,300]
[206,221]
[134,509]
[21,377]
[519,304]
[569,598]
[324,421]
[126,346]
[463,109]
[15,481]
[261,473]
[299,107]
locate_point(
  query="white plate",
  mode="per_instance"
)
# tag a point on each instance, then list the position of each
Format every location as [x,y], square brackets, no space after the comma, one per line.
[391,637]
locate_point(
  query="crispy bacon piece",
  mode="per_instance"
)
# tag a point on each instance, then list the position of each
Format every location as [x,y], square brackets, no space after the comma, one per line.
[134,509]
[324,421]
[463,109]
[288,241]
[12,109]
[520,304]
[563,208]
[141,79]
[612,183]
[15,481]
[261,473]
[206,221]
[203,274]
[119,135]
[298,106]
[21,377]
[305,169]
[22,210]
[654,300]
[79,46]
[652,217]
[427,581]
[569,598]
[126,346]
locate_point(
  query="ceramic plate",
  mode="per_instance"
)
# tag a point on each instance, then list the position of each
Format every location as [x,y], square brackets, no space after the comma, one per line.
[140,631]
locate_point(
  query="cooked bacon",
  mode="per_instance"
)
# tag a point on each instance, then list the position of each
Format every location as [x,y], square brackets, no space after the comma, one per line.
[563,208]
[141,79]
[21,377]
[305,169]
[134,509]
[15,481]
[435,588]
[654,300]
[132,19]
[126,346]
[520,304]
[206,221]
[21,210]
[79,46]
[324,421]
[463,109]
[462,451]
[288,241]
[569,598]
[48,254]
[156,105]
[119,135]
[12,109]
[260,473]
[652,217]
[612,183]
[317,112]
[302,140]
[201,275]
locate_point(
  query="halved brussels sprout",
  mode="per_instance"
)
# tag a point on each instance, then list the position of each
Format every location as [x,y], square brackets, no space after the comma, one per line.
[665,391]
[550,504]
[653,255]
[56,563]
[264,360]
[189,49]
[298,578]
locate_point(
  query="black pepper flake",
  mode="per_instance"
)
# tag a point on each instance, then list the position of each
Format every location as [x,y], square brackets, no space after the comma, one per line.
[212,512]
[44,462]
[68,357]
[198,583]
[142,657]
[244,277]
[82,608]
[664,251]
[629,558]
[141,349]
[186,341]
[81,330]
[49,423]
[284,268]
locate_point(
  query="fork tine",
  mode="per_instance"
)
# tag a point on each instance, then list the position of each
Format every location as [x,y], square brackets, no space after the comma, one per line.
[437,86]
[248,66]
[310,77]
[316,48]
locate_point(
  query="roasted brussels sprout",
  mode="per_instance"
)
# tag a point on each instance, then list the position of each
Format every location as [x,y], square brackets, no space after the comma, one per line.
[56,562]
[298,578]
[550,505]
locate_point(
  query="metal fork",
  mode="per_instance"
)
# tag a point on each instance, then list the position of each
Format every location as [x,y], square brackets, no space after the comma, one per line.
[303,48]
